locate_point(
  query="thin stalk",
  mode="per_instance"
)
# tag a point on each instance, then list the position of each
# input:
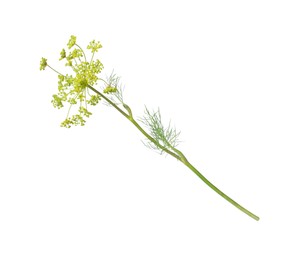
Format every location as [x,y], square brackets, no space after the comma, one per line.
[82,51]
[54,70]
[212,186]
[222,194]
[110,102]
[176,154]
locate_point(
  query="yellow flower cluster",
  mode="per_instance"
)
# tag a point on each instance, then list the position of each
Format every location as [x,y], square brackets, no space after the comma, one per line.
[73,89]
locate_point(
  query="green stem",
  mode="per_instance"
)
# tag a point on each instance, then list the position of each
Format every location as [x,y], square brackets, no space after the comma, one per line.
[92,57]
[110,102]
[54,70]
[82,51]
[222,194]
[176,154]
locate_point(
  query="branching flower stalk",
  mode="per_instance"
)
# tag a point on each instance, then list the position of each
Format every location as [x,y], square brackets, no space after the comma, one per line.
[81,89]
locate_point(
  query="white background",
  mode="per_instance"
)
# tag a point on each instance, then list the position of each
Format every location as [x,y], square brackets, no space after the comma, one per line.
[223,71]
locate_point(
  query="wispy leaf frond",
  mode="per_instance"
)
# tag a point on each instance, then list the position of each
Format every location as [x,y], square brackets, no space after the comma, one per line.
[164,136]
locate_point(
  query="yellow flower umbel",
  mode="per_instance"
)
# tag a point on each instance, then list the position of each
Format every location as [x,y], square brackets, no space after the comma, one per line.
[73,88]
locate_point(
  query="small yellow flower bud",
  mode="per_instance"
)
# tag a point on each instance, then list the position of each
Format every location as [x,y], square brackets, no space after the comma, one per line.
[72,41]
[63,54]
[43,63]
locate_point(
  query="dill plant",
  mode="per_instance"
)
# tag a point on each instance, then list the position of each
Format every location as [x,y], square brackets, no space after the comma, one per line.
[84,88]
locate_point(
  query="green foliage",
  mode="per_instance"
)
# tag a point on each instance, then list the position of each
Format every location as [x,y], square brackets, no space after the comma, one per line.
[73,89]
[166,137]
[114,89]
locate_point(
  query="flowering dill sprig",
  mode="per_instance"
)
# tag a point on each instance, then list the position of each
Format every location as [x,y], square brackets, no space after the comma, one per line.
[79,90]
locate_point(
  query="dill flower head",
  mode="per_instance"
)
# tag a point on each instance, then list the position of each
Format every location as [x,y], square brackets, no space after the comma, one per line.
[73,88]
